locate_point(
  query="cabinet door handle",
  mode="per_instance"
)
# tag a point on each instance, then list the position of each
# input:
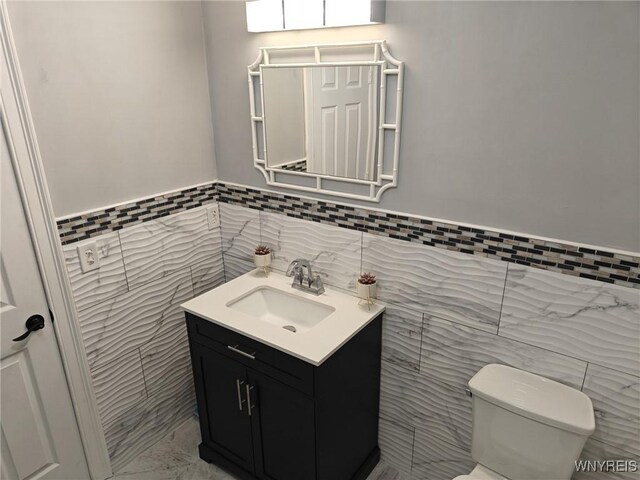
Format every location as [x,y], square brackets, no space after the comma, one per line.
[237,350]
[240,401]
[249,405]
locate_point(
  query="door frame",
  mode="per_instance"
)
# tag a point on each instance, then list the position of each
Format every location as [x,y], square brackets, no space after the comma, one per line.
[48,249]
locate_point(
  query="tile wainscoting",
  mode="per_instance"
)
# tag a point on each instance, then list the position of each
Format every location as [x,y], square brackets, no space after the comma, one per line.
[452,309]
[448,315]
[133,329]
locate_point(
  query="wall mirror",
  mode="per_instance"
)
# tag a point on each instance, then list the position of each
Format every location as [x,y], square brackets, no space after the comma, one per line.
[326,118]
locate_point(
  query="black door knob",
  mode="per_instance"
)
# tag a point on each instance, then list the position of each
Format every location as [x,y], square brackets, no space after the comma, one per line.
[33,323]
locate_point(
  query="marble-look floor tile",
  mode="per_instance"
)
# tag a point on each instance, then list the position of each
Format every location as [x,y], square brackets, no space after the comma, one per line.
[240,229]
[401,336]
[437,460]
[396,444]
[156,248]
[586,319]
[595,450]
[454,286]
[144,425]
[175,457]
[103,283]
[130,320]
[454,353]
[334,252]
[119,385]
[616,402]
[234,267]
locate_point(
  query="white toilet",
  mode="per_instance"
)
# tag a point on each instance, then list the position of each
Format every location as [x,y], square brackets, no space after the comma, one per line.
[526,427]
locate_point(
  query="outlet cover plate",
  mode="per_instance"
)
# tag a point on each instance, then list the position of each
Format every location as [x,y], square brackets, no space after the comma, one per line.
[213,216]
[89,259]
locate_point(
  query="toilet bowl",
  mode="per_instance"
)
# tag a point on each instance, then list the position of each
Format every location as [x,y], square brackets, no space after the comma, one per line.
[526,427]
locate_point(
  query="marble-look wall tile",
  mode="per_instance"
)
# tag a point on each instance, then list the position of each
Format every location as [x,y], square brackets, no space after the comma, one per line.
[401,336]
[240,228]
[454,353]
[128,321]
[434,459]
[454,286]
[234,267]
[103,283]
[616,402]
[142,426]
[166,358]
[396,444]
[413,399]
[334,252]
[590,320]
[119,385]
[595,450]
[154,249]
[209,273]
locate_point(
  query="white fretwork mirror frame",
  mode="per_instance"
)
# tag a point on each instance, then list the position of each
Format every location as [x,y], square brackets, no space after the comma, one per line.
[380,56]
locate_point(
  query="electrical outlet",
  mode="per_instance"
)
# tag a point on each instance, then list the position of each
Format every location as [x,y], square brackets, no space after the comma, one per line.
[89,260]
[213,216]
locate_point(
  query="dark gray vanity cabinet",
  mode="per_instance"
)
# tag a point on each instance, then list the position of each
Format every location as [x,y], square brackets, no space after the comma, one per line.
[267,415]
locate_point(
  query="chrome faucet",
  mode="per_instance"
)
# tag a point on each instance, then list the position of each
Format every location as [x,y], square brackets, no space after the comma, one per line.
[311,283]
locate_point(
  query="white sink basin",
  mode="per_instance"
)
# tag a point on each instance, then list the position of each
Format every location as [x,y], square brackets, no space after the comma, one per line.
[260,308]
[272,305]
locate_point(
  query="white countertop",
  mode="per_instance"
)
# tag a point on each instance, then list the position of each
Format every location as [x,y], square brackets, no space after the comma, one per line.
[313,346]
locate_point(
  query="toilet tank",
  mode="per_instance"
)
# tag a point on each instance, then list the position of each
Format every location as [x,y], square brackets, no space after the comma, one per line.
[527,427]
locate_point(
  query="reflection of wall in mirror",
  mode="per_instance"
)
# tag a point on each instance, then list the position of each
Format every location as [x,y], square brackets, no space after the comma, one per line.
[341,115]
[284,103]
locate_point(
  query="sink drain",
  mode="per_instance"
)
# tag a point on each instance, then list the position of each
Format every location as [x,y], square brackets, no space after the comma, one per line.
[291,328]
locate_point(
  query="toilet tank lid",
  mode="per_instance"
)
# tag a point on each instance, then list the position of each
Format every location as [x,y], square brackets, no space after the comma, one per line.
[535,397]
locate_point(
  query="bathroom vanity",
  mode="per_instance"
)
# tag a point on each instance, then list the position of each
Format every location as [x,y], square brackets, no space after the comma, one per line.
[280,404]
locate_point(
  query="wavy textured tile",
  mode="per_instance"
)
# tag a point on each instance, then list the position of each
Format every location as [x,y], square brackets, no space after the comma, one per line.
[154,249]
[454,353]
[166,358]
[616,402]
[234,267]
[425,403]
[595,450]
[454,286]
[434,459]
[401,337]
[119,385]
[240,229]
[590,320]
[207,275]
[98,285]
[132,319]
[142,426]
[396,444]
[334,252]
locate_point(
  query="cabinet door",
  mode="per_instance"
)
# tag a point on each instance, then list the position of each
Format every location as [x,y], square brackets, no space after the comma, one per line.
[283,430]
[221,392]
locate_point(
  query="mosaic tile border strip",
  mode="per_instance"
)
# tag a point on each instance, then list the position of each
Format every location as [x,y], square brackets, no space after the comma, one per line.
[594,264]
[99,222]
[600,265]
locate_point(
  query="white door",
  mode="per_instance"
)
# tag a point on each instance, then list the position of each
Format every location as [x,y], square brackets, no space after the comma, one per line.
[342,112]
[39,434]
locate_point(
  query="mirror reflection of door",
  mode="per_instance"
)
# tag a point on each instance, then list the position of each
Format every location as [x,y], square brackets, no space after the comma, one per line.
[322,120]
[341,121]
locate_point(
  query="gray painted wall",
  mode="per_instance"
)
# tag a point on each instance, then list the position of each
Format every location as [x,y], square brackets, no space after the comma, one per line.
[119,97]
[518,115]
